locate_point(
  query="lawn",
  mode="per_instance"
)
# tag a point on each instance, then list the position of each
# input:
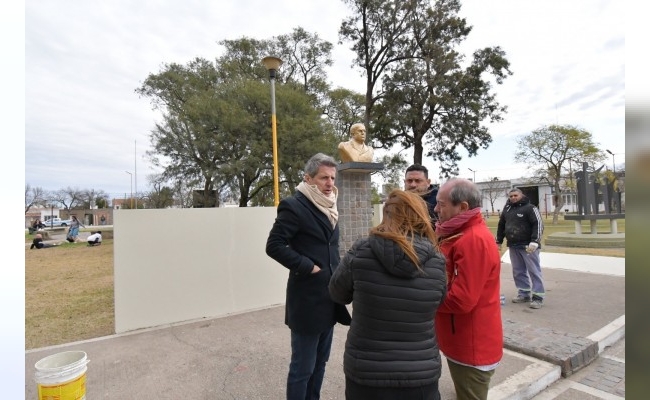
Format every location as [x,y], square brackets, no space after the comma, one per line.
[568,226]
[68,293]
[69,288]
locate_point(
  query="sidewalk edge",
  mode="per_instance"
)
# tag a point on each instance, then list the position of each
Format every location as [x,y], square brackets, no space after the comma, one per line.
[527,383]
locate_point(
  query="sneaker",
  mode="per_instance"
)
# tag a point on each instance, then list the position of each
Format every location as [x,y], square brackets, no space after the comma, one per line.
[536,304]
[521,299]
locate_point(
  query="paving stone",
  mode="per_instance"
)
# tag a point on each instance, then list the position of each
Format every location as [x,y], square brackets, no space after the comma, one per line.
[607,375]
[571,352]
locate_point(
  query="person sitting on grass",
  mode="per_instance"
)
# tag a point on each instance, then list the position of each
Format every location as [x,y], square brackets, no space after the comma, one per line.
[95,238]
[37,243]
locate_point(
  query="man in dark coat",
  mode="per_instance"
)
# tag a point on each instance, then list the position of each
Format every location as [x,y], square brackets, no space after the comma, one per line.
[305,240]
[417,180]
[521,224]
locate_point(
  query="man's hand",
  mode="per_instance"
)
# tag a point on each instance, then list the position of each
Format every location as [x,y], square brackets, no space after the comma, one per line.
[315,270]
[532,246]
[499,245]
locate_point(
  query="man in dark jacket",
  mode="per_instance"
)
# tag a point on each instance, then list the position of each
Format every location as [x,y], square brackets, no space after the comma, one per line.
[521,224]
[417,180]
[305,240]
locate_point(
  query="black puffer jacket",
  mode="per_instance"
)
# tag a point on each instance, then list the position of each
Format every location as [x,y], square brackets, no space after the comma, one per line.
[391,341]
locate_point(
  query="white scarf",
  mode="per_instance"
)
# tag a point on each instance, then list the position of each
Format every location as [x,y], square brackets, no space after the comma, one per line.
[326,204]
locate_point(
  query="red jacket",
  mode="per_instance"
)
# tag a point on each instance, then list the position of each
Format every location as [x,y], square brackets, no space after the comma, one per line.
[468,322]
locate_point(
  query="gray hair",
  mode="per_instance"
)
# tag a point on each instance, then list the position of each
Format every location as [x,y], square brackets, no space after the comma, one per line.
[465,190]
[516,190]
[318,160]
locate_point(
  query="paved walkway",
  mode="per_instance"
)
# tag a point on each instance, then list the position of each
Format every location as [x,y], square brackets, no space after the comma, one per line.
[575,262]
[550,353]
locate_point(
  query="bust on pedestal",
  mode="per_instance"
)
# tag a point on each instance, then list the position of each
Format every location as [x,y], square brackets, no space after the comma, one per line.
[356,150]
[355,187]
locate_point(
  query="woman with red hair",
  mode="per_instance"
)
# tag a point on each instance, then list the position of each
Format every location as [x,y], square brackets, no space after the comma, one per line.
[395,280]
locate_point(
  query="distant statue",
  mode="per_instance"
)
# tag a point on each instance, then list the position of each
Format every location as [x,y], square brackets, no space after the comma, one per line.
[581,190]
[590,191]
[356,150]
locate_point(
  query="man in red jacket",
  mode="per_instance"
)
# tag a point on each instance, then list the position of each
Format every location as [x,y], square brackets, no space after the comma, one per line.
[468,323]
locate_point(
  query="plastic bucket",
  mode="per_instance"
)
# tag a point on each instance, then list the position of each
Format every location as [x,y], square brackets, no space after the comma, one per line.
[62,376]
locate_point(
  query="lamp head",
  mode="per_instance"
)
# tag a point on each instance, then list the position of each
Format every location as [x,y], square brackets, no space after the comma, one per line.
[271,63]
[609,152]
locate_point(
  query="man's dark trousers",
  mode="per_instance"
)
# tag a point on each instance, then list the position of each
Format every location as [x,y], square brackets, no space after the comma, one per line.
[309,354]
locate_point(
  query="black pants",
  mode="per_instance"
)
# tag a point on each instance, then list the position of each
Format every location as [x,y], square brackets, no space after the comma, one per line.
[355,391]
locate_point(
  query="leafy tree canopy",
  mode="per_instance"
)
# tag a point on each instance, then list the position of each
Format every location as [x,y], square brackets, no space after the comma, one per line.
[419,93]
[550,152]
[216,127]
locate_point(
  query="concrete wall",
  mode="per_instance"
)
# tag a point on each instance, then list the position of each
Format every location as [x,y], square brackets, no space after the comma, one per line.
[178,265]
[377,214]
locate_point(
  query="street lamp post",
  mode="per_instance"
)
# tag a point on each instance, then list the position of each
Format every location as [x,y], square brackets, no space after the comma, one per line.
[474,179]
[613,161]
[131,187]
[272,64]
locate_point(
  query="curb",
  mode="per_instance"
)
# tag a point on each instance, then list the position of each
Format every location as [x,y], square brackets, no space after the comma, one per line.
[609,334]
[571,352]
[525,384]
[542,374]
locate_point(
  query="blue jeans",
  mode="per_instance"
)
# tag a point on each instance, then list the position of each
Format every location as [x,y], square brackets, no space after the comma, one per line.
[527,272]
[309,354]
[73,231]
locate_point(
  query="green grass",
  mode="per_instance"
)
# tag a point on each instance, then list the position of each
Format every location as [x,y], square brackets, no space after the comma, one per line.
[602,226]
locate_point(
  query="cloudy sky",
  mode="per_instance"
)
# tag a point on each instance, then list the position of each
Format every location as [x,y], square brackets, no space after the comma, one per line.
[85,126]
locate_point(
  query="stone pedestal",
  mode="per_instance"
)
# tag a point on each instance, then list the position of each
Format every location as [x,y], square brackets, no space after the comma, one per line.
[354,206]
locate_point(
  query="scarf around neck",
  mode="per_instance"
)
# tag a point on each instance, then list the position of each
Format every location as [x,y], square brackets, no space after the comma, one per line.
[326,204]
[456,223]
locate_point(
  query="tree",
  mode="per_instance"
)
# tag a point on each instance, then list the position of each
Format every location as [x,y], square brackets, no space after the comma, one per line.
[161,195]
[102,202]
[216,120]
[251,166]
[495,188]
[377,30]
[182,193]
[343,109]
[375,196]
[427,97]
[549,151]
[34,196]
[91,197]
[186,96]
[68,197]
[394,167]
[306,56]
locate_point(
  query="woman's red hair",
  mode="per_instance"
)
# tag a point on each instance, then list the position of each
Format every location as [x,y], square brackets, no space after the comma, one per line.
[405,216]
